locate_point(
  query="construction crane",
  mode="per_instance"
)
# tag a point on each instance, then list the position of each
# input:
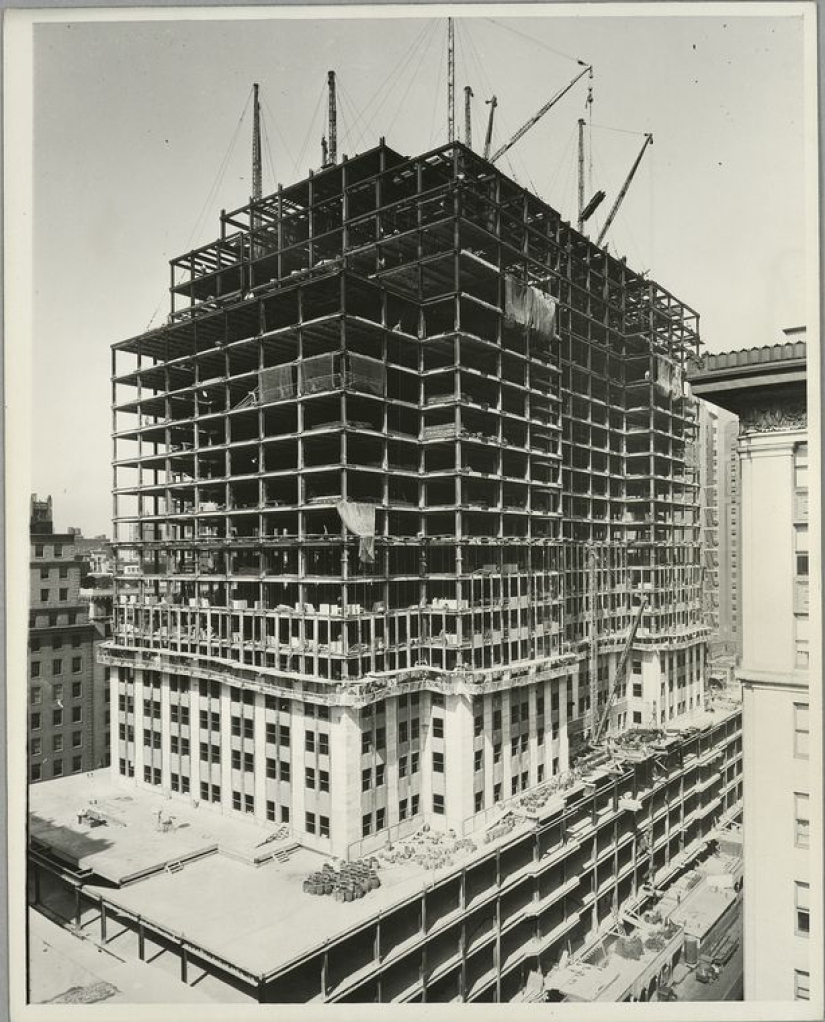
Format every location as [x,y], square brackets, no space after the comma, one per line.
[488,140]
[623,190]
[537,116]
[621,667]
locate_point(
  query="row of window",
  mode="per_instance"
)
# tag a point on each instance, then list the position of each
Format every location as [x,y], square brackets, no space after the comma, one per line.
[64,572]
[57,690]
[62,595]
[36,770]
[36,719]
[42,550]
[56,642]
[57,666]
[36,744]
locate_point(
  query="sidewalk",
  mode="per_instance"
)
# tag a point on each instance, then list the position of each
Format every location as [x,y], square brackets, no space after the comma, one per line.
[64,968]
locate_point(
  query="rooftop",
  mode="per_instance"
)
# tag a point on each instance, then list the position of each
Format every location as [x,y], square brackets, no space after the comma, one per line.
[736,379]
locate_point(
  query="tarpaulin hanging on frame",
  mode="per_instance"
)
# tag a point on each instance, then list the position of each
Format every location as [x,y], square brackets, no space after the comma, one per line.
[359,518]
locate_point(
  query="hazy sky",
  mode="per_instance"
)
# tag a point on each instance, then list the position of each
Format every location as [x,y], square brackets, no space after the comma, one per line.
[134,121]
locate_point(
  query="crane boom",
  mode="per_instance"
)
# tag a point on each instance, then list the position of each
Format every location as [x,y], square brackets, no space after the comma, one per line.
[623,190]
[489,138]
[620,670]
[537,116]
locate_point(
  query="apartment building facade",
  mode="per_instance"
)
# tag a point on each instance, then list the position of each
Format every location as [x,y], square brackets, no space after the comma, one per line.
[766,388]
[68,693]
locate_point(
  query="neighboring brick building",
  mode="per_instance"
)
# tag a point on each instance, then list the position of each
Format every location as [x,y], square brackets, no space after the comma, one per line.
[68,699]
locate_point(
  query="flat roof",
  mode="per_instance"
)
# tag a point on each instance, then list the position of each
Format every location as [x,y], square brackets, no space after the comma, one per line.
[259,918]
[131,842]
[736,379]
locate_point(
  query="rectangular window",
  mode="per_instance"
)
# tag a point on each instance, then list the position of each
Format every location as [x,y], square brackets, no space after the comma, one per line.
[77,664]
[205,791]
[284,814]
[37,771]
[270,810]
[35,669]
[478,759]
[310,777]
[414,800]
[540,773]
[36,746]
[514,785]
[414,763]
[366,825]
[77,714]
[802,824]
[248,728]
[801,735]
[438,727]
[497,792]
[283,734]
[44,573]
[402,809]
[380,817]
[366,779]
[323,743]
[249,803]
[271,732]
[272,769]
[77,739]
[323,780]
[497,752]
[637,690]
[496,720]
[57,666]
[175,782]
[478,725]
[57,743]
[236,726]
[403,731]
[479,801]
[379,774]
[415,729]
[236,800]
[36,696]
[380,737]
[236,755]
[64,595]
[77,690]
[309,741]
[438,762]
[801,985]
[44,595]
[637,717]
[402,766]
[57,718]
[323,824]
[438,804]
[803,909]
[248,760]
[285,771]
[57,768]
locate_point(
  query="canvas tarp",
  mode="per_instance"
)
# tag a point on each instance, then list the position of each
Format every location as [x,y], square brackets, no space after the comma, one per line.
[668,376]
[525,305]
[366,374]
[359,518]
[277,382]
[318,373]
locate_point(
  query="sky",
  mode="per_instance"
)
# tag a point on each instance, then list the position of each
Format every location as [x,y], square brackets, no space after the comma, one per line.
[142,133]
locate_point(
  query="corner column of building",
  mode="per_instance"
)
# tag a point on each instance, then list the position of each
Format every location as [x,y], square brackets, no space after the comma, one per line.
[165,722]
[226,747]
[458,742]
[345,782]
[138,718]
[259,732]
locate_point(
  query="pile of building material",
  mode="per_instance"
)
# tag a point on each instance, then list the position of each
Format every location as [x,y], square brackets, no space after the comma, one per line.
[349,883]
